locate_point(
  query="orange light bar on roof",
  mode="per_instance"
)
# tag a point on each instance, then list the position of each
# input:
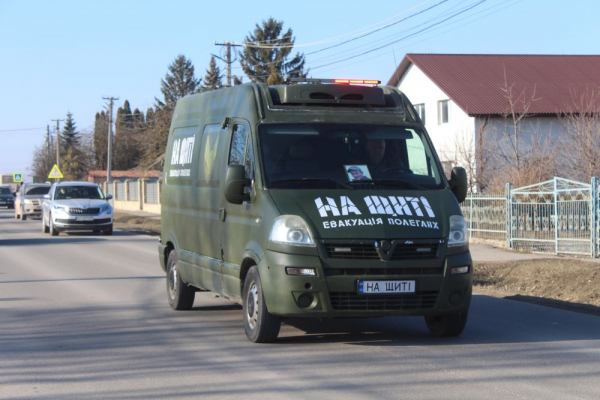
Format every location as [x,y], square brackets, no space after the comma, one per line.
[357,81]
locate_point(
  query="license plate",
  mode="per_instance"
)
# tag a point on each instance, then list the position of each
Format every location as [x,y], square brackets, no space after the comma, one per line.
[385,287]
[85,218]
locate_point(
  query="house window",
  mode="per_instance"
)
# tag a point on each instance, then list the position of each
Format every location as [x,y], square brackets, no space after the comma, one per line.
[420,108]
[443,111]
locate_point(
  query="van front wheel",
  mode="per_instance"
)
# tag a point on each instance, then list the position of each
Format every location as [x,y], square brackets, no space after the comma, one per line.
[180,295]
[447,325]
[260,325]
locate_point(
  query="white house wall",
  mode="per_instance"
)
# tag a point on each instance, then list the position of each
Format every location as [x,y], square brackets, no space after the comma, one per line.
[460,127]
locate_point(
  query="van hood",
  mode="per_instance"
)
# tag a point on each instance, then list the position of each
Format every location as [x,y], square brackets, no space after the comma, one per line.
[369,214]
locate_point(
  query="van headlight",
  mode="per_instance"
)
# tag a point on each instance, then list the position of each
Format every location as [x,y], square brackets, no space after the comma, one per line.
[291,229]
[459,234]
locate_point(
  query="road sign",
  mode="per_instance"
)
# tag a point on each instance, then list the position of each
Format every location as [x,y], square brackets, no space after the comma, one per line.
[55,173]
[17,177]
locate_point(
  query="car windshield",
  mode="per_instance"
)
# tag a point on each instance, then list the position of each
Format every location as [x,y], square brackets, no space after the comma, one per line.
[5,191]
[37,190]
[78,192]
[347,156]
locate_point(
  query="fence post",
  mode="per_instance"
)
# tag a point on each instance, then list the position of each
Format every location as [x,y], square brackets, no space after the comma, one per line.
[556,221]
[508,216]
[471,216]
[114,183]
[142,192]
[159,189]
[127,189]
[594,213]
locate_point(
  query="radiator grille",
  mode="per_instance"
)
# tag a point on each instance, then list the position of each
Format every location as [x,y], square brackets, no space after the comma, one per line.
[94,222]
[383,271]
[368,251]
[84,211]
[349,301]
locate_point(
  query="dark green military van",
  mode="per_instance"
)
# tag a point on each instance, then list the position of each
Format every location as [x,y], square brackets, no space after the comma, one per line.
[312,199]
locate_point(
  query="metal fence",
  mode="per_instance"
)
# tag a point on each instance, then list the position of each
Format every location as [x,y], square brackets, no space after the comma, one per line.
[120,191]
[558,216]
[151,194]
[133,190]
[486,215]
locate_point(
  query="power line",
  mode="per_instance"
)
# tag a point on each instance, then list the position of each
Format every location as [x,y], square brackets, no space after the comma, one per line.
[405,37]
[23,129]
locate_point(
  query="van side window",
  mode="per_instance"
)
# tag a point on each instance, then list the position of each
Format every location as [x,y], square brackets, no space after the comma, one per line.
[207,167]
[241,150]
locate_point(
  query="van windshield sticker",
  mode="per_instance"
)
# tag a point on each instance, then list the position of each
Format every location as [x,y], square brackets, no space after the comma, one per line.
[399,211]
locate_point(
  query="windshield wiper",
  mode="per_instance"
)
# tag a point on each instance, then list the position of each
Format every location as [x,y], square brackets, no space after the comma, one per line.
[391,182]
[313,181]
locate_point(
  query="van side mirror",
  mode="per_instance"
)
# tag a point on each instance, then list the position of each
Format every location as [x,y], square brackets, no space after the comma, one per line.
[235,183]
[458,183]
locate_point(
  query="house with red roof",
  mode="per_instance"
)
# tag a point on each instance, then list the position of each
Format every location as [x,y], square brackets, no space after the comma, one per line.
[463,97]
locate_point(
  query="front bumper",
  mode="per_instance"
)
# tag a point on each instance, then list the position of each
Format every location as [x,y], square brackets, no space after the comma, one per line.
[71,224]
[334,293]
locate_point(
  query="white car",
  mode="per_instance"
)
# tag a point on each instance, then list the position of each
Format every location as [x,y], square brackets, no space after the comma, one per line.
[76,206]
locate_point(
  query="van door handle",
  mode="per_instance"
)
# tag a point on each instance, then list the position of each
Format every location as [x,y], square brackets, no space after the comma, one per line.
[222,214]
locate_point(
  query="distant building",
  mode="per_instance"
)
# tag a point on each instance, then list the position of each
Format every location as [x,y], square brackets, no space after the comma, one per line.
[7,180]
[461,96]
[121,176]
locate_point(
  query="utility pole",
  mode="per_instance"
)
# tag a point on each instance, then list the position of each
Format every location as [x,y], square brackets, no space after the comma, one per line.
[110,136]
[47,143]
[57,141]
[227,59]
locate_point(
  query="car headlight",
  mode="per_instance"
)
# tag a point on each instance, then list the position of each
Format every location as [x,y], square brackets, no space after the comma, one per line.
[459,234]
[291,229]
[106,208]
[27,201]
[61,208]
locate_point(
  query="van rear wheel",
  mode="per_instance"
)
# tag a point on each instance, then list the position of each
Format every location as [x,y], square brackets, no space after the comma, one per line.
[260,325]
[180,295]
[447,325]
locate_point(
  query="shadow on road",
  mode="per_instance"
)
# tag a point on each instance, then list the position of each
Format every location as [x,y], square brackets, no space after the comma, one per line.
[46,241]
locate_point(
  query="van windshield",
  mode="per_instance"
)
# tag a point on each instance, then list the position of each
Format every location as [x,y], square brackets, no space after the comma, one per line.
[347,156]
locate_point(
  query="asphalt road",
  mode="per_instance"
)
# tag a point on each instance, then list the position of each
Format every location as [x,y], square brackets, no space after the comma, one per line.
[86,317]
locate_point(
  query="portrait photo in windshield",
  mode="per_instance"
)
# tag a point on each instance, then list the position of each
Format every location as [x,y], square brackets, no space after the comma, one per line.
[340,155]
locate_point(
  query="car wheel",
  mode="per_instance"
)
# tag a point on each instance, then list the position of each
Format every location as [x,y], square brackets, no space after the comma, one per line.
[23,217]
[260,325]
[45,228]
[180,295]
[447,325]
[108,231]
[17,216]
[52,229]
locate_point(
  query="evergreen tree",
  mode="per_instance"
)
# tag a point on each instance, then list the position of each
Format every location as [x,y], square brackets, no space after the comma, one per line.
[101,141]
[265,57]
[72,167]
[69,135]
[127,133]
[179,81]
[213,79]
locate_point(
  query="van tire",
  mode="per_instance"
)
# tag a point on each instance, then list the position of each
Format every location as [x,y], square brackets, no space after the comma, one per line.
[447,325]
[179,294]
[260,325]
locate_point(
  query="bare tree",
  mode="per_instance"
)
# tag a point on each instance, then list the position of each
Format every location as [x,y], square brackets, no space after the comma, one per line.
[525,153]
[581,123]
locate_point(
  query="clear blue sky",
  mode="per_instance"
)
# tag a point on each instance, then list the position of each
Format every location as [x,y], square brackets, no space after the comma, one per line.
[64,56]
